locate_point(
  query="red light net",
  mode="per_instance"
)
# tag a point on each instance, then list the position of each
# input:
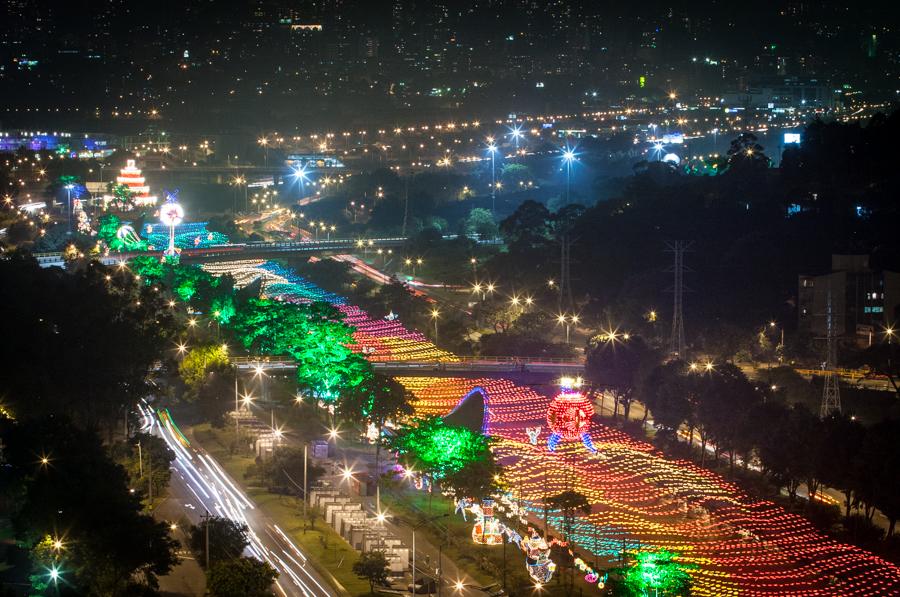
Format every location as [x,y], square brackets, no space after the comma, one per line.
[741,545]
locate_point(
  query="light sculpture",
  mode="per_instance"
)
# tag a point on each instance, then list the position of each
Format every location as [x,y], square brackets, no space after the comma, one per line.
[569,416]
[171,214]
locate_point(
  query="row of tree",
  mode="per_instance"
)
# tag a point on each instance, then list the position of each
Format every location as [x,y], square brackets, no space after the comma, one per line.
[747,422]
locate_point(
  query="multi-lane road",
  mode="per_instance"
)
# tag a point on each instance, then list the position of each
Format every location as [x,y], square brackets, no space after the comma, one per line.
[200,485]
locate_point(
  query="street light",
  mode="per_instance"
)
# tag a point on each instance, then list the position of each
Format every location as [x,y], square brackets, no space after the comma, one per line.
[434,315]
[493,150]
[414,529]
[69,188]
[568,158]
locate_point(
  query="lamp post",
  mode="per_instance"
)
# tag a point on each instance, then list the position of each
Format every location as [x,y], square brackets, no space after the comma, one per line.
[568,157]
[69,188]
[434,316]
[493,150]
[414,529]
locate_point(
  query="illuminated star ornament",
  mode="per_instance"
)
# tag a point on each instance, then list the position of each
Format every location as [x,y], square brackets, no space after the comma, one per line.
[569,415]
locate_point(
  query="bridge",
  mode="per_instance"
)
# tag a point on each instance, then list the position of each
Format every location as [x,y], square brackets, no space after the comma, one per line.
[541,365]
[256,249]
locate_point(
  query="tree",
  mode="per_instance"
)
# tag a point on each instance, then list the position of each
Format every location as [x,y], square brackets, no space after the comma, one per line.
[122,196]
[373,567]
[745,154]
[665,391]
[227,539]
[618,365]
[103,334]
[528,227]
[657,572]
[569,503]
[513,174]
[432,446]
[109,546]
[481,222]
[240,577]
[199,362]
[475,479]
[842,444]
[376,400]
[787,455]
[314,335]
[149,463]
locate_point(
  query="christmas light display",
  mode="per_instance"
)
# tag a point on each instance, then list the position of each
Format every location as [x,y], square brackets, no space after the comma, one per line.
[171,214]
[131,179]
[647,502]
[378,340]
[641,500]
[569,416]
[487,529]
[537,558]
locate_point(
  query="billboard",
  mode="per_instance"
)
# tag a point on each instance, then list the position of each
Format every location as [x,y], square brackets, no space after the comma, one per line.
[792,138]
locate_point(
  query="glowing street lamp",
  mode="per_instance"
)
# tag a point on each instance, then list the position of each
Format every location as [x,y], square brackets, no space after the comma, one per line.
[493,150]
[171,214]
[69,188]
[569,156]
[434,316]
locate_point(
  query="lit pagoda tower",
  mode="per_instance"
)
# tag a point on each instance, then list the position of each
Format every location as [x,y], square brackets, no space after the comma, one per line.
[131,177]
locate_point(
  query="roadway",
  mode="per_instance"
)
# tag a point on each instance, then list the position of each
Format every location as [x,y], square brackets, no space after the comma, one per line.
[200,485]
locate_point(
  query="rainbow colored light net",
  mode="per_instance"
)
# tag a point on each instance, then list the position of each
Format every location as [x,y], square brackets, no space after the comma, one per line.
[643,500]
[380,340]
[640,499]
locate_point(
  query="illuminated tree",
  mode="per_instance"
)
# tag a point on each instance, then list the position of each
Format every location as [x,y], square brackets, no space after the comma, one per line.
[122,196]
[434,447]
[569,503]
[199,361]
[313,335]
[657,574]
[325,364]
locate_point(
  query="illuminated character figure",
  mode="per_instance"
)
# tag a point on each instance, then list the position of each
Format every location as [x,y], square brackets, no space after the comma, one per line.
[487,528]
[569,416]
[537,558]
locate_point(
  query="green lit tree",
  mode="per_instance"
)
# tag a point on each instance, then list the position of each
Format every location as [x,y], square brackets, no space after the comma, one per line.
[373,567]
[434,447]
[655,573]
[122,196]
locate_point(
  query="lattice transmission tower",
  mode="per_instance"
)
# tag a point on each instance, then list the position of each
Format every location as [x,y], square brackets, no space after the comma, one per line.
[678,269]
[831,391]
